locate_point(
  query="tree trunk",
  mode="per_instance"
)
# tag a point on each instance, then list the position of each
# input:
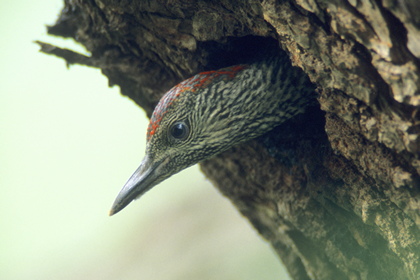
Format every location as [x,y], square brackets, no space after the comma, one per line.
[336,190]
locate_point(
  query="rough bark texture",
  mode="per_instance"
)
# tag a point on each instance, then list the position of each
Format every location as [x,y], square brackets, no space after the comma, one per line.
[335,191]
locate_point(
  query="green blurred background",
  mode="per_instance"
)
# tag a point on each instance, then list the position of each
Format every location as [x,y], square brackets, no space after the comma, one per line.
[68,144]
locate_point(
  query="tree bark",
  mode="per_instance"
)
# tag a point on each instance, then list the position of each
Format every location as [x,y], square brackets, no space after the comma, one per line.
[336,190]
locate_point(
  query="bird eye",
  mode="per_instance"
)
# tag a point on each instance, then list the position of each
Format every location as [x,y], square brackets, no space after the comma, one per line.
[179,130]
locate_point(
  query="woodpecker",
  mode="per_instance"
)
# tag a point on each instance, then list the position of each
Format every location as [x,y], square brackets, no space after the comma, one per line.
[213,111]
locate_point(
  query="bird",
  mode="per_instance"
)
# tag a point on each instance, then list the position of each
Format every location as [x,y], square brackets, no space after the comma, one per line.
[212,111]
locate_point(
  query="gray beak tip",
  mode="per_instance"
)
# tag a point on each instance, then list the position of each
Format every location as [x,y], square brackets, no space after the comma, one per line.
[112,211]
[125,197]
[140,182]
[116,207]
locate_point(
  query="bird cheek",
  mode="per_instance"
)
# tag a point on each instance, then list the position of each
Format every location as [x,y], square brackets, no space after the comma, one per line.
[163,167]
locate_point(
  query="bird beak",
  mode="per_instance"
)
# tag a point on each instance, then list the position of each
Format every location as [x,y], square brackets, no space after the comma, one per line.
[143,179]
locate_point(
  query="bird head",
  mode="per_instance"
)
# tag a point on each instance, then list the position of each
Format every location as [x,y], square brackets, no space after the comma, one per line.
[189,124]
